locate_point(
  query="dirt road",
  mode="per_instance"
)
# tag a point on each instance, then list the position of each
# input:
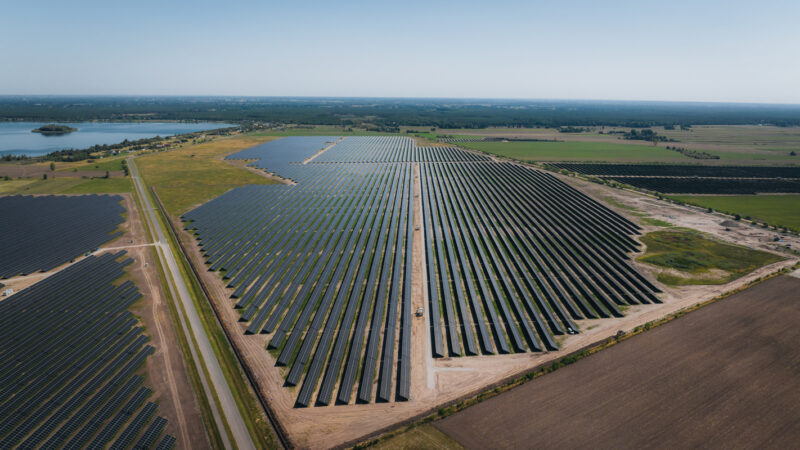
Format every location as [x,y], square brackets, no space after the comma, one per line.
[727,375]
[201,349]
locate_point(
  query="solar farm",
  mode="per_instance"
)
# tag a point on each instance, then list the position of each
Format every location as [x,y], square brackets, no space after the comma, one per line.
[322,266]
[72,381]
[41,233]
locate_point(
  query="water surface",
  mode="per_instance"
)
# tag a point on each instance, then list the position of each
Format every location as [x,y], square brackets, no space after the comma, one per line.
[16,138]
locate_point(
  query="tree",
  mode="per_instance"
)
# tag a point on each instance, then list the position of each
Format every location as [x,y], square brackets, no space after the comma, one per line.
[52,166]
[44,176]
[107,174]
[737,217]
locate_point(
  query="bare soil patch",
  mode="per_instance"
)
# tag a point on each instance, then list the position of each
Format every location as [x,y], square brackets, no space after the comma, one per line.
[727,375]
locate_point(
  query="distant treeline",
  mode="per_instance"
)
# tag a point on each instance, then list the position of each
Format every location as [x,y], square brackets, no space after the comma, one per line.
[388,114]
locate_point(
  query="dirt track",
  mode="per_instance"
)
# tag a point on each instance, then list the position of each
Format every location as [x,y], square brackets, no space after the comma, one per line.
[727,375]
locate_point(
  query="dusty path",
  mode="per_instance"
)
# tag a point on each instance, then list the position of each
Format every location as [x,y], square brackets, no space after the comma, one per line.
[308,160]
[201,349]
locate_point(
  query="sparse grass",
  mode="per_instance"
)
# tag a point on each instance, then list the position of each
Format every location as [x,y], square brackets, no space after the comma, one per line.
[66,186]
[197,173]
[576,151]
[778,210]
[424,436]
[655,222]
[692,258]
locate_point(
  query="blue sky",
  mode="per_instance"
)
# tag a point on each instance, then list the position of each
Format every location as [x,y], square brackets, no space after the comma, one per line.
[627,50]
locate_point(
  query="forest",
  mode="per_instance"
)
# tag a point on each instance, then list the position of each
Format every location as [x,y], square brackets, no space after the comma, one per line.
[390,113]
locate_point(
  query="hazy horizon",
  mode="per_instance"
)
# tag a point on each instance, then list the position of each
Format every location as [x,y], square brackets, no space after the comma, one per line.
[707,51]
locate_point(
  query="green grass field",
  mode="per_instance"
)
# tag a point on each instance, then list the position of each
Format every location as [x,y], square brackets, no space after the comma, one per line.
[111,164]
[695,259]
[577,151]
[779,210]
[197,173]
[29,186]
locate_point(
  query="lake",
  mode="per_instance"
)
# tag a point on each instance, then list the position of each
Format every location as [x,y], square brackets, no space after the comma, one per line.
[16,138]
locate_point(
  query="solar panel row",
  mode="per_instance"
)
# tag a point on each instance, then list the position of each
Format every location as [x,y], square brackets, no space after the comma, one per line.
[70,350]
[41,233]
[323,267]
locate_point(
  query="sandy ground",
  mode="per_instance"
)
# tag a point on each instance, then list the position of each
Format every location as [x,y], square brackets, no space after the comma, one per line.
[322,150]
[440,381]
[725,376]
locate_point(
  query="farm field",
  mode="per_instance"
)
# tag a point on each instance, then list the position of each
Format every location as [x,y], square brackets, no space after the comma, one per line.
[690,258]
[763,145]
[195,174]
[577,151]
[725,375]
[778,210]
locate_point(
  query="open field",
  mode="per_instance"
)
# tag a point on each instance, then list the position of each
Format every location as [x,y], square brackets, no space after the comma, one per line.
[723,376]
[778,210]
[112,163]
[691,258]
[66,186]
[195,174]
[577,151]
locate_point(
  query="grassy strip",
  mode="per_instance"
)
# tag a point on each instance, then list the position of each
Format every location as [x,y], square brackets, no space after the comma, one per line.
[27,186]
[246,399]
[508,384]
[780,211]
[197,387]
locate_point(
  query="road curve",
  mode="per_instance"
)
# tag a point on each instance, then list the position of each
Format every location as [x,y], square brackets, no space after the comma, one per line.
[200,347]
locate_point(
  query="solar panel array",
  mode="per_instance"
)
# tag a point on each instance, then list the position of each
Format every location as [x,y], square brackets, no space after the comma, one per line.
[70,352]
[323,267]
[41,233]
[682,179]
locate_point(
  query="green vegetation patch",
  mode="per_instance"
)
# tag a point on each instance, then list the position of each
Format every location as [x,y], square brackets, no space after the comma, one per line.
[575,151]
[655,222]
[111,164]
[688,257]
[195,174]
[778,210]
[30,186]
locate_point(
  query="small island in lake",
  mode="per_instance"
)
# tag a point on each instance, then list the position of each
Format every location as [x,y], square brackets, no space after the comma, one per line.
[54,130]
